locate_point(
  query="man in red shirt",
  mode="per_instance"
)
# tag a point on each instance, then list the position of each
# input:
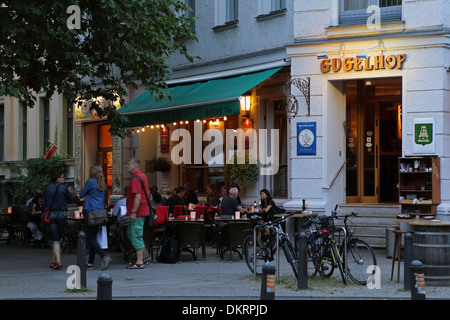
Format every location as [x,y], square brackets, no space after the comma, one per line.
[137,209]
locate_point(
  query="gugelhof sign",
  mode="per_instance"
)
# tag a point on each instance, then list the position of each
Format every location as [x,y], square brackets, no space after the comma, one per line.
[350,63]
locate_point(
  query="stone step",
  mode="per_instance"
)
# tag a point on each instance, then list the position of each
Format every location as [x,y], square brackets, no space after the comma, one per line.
[372,221]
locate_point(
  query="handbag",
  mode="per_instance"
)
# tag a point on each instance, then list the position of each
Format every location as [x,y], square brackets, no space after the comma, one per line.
[150,221]
[97,218]
[47,214]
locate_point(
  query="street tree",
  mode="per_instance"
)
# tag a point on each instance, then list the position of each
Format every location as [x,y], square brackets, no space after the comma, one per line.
[87,49]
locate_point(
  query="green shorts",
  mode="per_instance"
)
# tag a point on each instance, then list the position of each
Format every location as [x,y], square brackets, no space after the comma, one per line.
[135,232]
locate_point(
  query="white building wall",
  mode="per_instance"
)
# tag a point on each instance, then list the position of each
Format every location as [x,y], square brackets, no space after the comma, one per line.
[422,37]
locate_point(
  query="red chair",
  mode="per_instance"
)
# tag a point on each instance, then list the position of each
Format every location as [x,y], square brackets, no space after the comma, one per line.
[200,211]
[178,211]
[162,215]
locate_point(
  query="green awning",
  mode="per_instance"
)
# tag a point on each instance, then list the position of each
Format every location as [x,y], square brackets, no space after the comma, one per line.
[199,100]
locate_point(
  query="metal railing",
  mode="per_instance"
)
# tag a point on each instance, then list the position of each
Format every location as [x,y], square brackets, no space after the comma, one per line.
[335,177]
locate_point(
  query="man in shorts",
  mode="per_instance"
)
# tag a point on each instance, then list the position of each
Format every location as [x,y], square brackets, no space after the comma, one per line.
[137,209]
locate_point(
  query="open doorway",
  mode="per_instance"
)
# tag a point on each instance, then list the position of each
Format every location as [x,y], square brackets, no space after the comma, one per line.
[373,139]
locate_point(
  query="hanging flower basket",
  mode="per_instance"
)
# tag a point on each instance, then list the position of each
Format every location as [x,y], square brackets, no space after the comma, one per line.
[160,164]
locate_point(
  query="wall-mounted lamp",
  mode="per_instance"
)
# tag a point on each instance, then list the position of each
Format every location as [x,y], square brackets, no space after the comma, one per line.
[324,54]
[245,102]
[363,54]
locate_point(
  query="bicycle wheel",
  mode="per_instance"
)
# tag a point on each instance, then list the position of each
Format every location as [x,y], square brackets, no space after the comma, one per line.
[360,256]
[314,254]
[290,256]
[249,254]
[326,260]
[338,260]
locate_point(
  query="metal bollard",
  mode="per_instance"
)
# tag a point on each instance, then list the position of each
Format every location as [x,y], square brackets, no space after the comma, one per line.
[81,257]
[302,281]
[268,282]
[417,281]
[408,259]
[104,287]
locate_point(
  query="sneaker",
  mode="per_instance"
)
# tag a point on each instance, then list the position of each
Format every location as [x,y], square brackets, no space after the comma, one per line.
[89,266]
[106,262]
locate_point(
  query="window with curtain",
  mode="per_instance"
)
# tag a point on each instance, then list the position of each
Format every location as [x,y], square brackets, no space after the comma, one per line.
[2,132]
[46,122]
[270,7]
[69,129]
[24,130]
[226,12]
[354,12]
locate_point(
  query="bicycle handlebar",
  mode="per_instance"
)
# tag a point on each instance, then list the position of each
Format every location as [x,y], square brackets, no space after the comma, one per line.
[269,223]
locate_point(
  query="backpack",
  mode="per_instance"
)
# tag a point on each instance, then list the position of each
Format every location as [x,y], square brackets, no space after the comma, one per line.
[169,251]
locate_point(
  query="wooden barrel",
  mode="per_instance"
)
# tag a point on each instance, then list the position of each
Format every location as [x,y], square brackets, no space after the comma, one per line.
[432,247]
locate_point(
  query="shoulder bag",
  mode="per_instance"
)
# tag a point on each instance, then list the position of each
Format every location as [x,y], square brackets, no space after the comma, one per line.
[47,214]
[97,218]
[150,221]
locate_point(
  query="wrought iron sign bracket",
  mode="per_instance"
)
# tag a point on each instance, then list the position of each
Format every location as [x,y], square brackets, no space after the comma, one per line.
[305,88]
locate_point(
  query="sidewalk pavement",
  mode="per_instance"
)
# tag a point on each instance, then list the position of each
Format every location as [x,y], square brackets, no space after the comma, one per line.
[25,274]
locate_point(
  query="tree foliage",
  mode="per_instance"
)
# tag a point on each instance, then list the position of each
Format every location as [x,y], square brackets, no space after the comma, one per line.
[34,174]
[119,44]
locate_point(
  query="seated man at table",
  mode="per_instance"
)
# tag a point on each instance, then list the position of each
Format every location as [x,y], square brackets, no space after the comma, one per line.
[229,204]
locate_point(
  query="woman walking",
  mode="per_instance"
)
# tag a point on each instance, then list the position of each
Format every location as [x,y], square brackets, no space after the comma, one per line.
[94,193]
[55,199]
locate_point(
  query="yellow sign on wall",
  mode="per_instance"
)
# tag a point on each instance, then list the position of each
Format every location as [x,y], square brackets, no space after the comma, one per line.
[350,63]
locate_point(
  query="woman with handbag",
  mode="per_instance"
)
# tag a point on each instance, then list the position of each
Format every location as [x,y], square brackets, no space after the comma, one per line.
[55,199]
[94,192]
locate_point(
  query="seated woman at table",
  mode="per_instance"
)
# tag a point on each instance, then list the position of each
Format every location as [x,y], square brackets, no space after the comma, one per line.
[35,220]
[269,208]
[189,194]
[212,199]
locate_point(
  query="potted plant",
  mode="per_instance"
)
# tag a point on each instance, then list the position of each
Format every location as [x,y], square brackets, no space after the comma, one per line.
[160,164]
[246,172]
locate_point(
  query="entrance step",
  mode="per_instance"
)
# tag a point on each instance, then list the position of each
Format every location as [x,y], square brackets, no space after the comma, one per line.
[372,221]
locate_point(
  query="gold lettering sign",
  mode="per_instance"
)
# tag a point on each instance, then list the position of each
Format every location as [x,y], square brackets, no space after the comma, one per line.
[349,64]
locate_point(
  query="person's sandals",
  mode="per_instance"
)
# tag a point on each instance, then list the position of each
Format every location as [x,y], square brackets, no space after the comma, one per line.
[135,266]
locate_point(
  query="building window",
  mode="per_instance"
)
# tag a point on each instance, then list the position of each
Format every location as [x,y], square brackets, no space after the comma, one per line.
[354,12]
[2,132]
[24,130]
[226,13]
[269,8]
[70,129]
[190,13]
[46,122]
[280,179]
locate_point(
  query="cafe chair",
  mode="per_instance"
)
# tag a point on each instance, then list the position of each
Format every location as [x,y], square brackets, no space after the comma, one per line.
[190,236]
[18,225]
[162,215]
[232,236]
[200,211]
[178,210]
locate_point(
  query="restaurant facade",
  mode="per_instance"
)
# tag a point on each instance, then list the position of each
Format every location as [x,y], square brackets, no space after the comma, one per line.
[344,95]
[378,92]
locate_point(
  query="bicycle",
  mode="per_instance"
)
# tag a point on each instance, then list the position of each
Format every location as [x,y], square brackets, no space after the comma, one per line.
[329,255]
[266,244]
